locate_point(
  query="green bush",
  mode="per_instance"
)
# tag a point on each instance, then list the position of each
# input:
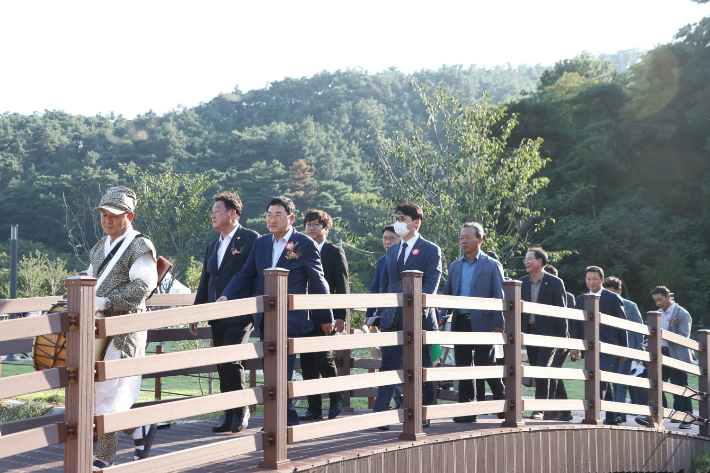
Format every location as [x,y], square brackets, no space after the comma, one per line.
[700,464]
[10,412]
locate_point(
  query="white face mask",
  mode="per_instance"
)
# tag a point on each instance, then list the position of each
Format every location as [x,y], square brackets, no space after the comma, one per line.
[400,228]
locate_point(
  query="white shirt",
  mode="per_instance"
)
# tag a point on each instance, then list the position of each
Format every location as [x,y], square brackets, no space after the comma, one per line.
[320,246]
[224,243]
[408,250]
[144,268]
[666,321]
[279,247]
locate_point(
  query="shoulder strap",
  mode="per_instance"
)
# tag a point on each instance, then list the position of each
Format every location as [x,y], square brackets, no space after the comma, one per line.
[109,256]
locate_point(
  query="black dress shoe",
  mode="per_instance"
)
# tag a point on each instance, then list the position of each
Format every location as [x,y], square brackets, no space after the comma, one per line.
[501,415]
[384,427]
[611,422]
[464,419]
[643,420]
[426,424]
[241,423]
[565,418]
[225,426]
[310,415]
[334,411]
[398,402]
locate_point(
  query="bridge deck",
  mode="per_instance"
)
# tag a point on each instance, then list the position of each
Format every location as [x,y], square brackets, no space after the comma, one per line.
[311,454]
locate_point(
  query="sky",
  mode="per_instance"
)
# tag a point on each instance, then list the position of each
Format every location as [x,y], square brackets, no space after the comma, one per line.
[129,57]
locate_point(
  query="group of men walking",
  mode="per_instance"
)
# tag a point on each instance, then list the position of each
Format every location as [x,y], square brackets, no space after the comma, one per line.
[234,265]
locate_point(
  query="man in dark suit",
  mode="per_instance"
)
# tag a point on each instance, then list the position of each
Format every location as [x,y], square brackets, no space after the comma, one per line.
[609,304]
[542,288]
[288,249]
[557,385]
[335,270]
[474,275]
[412,253]
[224,258]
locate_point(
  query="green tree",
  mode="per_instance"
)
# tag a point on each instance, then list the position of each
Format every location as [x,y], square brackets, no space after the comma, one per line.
[31,275]
[456,165]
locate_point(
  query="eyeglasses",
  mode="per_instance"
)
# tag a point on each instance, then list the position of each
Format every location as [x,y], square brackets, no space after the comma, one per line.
[529,260]
[390,240]
[401,218]
[274,217]
[467,237]
[313,225]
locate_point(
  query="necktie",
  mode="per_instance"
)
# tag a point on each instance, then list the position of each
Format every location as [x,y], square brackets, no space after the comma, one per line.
[400,260]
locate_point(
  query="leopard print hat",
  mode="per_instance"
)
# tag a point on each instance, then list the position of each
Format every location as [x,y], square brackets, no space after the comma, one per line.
[118,200]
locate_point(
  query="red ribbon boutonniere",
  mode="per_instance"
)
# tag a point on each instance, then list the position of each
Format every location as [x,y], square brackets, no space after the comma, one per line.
[415,251]
[292,252]
[674,321]
[289,246]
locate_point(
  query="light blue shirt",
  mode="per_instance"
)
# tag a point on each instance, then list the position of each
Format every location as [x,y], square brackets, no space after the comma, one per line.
[467,274]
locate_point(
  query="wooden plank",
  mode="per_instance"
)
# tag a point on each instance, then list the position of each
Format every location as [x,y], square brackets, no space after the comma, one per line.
[11,386]
[12,347]
[461,302]
[33,326]
[342,301]
[177,334]
[554,342]
[8,428]
[169,300]
[463,409]
[555,404]
[464,372]
[32,439]
[463,338]
[177,410]
[610,377]
[681,391]
[127,367]
[28,304]
[344,342]
[342,383]
[679,340]
[677,415]
[301,432]
[195,370]
[625,407]
[623,324]
[171,317]
[552,311]
[512,355]
[555,373]
[680,365]
[630,353]
[193,457]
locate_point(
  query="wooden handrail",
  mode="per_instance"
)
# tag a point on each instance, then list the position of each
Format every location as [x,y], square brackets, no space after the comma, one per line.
[127,367]
[681,365]
[464,409]
[340,342]
[555,404]
[168,300]
[342,301]
[464,372]
[460,302]
[27,383]
[679,340]
[298,433]
[611,377]
[177,410]
[555,373]
[552,311]
[170,317]
[623,324]
[683,391]
[28,304]
[631,353]
[628,408]
[329,385]
[463,338]
[554,342]
[56,322]
[21,442]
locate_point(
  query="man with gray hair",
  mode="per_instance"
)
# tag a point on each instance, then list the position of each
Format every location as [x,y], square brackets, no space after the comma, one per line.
[475,274]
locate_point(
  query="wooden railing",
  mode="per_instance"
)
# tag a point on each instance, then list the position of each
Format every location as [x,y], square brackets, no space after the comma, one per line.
[80,424]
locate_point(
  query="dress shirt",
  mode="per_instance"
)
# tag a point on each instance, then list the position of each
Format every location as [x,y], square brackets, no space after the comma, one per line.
[143,268]
[320,246]
[224,243]
[534,291]
[666,321]
[408,249]
[467,269]
[279,247]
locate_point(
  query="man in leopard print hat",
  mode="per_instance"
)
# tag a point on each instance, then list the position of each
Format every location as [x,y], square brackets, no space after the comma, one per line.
[124,261]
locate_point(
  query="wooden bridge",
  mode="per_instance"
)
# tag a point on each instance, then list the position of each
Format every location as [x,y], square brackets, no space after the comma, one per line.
[351,442]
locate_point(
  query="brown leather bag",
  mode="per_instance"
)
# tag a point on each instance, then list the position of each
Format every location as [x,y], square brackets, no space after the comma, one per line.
[164,267]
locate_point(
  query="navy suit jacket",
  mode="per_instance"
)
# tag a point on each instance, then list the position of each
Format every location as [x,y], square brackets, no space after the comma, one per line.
[213,279]
[487,281]
[552,292]
[612,304]
[304,270]
[570,303]
[428,261]
[375,288]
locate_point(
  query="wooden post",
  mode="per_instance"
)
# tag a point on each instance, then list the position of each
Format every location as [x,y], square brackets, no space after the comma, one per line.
[275,323]
[344,364]
[79,402]
[158,380]
[412,355]
[252,384]
[511,353]
[592,388]
[704,379]
[655,370]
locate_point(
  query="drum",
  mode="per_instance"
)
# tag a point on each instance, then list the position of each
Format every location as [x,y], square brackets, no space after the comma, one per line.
[50,351]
